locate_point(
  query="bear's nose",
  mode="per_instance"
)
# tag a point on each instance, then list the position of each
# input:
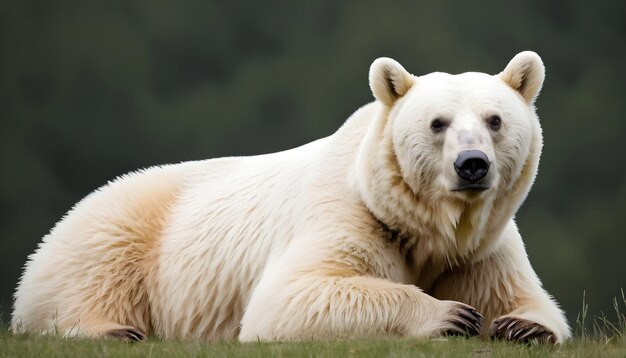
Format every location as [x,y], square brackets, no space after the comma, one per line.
[472,165]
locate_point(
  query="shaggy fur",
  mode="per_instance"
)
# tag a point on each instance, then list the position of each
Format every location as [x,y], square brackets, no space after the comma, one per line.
[356,234]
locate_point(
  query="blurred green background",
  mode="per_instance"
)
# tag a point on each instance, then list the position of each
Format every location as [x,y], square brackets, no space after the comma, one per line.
[93,89]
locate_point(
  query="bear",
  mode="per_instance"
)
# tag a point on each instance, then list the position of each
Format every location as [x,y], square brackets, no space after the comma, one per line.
[401,223]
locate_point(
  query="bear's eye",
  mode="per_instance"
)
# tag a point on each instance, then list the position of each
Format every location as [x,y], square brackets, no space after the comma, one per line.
[494,122]
[438,124]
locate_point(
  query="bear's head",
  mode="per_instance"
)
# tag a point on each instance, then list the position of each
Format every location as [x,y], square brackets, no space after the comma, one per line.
[453,154]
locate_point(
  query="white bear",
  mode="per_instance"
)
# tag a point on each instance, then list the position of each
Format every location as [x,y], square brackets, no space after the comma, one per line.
[400,223]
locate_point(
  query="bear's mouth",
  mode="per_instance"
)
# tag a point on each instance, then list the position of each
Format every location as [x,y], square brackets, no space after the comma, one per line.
[472,187]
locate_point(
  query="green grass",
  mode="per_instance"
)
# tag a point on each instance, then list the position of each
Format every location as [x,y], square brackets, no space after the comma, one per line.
[605,339]
[37,346]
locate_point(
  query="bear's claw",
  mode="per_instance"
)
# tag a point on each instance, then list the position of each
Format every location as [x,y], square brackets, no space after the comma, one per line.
[129,334]
[520,330]
[466,321]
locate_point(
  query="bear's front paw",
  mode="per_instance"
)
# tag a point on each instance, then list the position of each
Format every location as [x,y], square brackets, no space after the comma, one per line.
[521,330]
[128,334]
[462,319]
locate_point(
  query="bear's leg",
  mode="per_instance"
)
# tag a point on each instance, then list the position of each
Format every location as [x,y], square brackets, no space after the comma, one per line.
[93,275]
[311,304]
[80,291]
[505,288]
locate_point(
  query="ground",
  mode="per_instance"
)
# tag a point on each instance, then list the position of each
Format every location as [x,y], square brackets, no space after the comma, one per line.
[606,338]
[41,346]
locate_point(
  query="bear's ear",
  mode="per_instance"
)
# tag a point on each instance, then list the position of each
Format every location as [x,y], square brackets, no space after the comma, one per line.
[525,74]
[389,80]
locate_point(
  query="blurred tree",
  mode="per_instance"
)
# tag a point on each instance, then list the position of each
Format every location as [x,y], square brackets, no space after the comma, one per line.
[90,90]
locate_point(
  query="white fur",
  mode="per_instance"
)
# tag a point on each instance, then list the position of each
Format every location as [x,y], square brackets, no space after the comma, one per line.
[301,243]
